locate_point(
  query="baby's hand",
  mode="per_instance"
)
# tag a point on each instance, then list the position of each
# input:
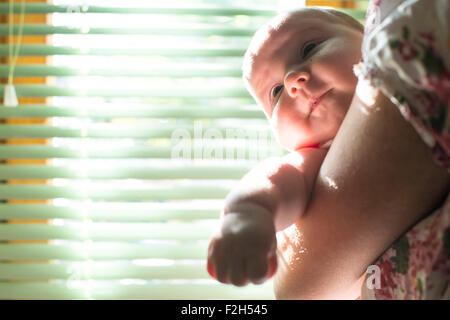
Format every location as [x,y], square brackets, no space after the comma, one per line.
[244,249]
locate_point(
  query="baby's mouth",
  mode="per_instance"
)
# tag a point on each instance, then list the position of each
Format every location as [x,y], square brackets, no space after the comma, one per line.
[314,102]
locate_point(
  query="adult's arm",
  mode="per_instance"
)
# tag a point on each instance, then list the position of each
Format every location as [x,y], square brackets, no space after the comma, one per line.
[377,180]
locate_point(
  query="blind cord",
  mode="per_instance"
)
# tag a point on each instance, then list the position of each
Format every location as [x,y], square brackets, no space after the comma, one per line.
[10,96]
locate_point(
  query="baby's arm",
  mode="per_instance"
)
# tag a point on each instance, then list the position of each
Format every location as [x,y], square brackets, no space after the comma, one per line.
[269,198]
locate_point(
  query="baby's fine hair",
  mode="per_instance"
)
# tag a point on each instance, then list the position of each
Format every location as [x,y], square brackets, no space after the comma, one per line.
[345,18]
[280,20]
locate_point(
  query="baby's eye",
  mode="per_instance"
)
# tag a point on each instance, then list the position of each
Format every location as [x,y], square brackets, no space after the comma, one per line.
[308,48]
[276,90]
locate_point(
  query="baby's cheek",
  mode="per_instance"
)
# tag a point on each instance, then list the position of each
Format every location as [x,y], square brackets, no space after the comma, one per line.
[336,69]
[289,129]
[277,129]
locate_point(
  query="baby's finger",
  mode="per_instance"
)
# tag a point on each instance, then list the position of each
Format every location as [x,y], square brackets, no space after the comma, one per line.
[210,269]
[256,268]
[220,263]
[237,274]
[210,260]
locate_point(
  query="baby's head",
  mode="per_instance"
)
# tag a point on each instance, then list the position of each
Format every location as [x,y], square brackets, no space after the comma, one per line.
[299,69]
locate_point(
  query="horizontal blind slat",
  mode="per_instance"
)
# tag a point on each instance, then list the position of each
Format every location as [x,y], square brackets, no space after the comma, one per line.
[252,152]
[47,50]
[126,131]
[100,270]
[151,92]
[46,151]
[75,251]
[124,171]
[182,30]
[114,290]
[133,111]
[32,8]
[107,231]
[174,71]
[114,192]
[115,212]
[199,11]
[358,14]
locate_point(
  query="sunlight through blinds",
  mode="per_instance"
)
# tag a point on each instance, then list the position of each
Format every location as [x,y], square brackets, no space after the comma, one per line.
[147,127]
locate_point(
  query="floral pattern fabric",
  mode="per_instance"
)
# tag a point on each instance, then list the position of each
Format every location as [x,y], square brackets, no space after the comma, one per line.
[405,54]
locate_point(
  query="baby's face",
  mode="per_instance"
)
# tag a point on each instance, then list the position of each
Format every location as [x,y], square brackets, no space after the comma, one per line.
[302,76]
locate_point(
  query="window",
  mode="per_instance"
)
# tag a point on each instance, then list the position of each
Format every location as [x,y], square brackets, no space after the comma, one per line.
[132,126]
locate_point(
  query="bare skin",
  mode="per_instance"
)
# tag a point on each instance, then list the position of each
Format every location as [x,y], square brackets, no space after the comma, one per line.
[268,199]
[347,204]
[301,75]
[384,182]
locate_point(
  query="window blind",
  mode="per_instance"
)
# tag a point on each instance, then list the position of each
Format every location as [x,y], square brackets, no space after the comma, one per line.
[147,127]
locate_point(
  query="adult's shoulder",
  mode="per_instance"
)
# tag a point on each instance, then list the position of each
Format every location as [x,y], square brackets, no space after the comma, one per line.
[377,180]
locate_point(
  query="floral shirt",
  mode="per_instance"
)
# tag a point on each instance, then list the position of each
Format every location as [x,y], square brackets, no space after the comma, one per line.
[405,54]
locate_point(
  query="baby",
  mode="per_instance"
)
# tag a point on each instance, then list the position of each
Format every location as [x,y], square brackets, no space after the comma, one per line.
[299,69]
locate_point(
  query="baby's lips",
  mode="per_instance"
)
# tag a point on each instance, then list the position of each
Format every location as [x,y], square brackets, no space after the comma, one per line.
[210,269]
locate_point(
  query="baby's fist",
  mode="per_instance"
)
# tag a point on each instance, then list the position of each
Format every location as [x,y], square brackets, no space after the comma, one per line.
[244,249]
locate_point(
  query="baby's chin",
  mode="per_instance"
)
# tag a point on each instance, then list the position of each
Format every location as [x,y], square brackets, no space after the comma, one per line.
[294,140]
[311,144]
[297,146]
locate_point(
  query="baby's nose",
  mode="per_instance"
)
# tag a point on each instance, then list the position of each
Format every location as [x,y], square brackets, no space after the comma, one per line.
[295,81]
